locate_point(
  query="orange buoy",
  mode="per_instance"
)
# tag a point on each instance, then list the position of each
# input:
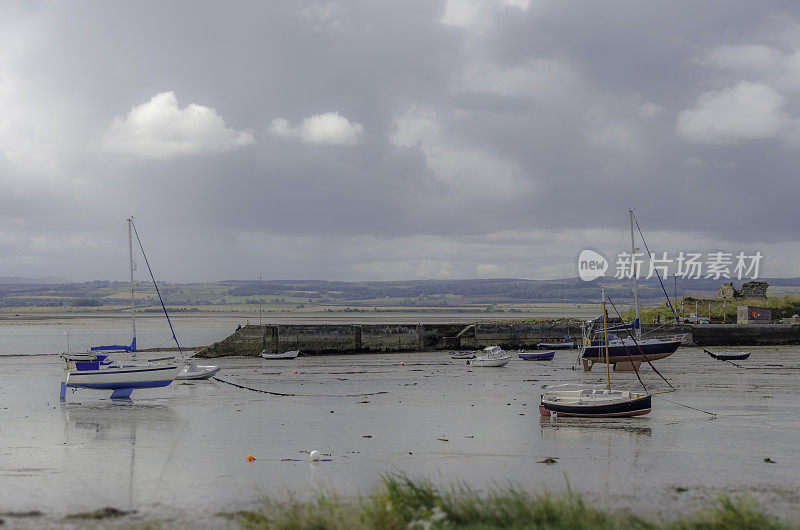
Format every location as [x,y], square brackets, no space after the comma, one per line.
[294,371]
[402,363]
[250,458]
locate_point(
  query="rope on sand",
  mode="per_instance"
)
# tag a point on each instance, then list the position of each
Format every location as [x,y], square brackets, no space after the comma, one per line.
[295,395]
[712,414]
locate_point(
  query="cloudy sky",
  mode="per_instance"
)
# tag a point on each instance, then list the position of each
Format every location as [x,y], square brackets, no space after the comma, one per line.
[394,140]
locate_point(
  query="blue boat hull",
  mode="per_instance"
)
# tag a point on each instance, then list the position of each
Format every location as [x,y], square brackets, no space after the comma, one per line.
[625,353]
[115,386]
[543,356]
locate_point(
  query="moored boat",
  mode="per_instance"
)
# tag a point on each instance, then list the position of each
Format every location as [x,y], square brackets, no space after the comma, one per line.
[462,354]
[628,352]
[578,401]
[194,371]
[593,401]
[536,356]
[292,354]
[102,372]
[728,355]
[566,344]
[491,356]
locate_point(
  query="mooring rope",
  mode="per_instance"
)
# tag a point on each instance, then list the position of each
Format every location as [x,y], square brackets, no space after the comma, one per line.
[638,346]
[713,414]
[296,395]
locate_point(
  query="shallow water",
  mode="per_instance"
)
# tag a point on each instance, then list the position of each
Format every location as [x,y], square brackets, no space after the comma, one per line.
[179,453]
[36,334]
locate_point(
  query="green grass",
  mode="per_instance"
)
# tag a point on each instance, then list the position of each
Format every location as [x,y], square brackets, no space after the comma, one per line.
[400,502]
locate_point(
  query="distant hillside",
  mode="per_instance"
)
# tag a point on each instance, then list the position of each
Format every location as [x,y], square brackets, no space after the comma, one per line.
[496,290]
[290,295]
[19,280]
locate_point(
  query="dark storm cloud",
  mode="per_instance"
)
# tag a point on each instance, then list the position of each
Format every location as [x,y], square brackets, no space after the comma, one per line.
[473,125]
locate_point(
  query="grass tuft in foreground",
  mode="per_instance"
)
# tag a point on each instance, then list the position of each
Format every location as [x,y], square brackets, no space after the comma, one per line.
[402,503]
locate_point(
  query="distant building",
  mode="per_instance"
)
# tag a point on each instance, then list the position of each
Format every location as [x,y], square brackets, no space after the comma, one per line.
[746,314]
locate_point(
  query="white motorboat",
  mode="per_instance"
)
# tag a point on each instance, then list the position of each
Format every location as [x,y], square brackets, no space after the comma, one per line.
[292,354]
[491,356]
[194,371]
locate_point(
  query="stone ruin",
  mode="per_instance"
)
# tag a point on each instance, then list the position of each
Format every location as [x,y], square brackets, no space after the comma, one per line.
[752,289]
[726,290]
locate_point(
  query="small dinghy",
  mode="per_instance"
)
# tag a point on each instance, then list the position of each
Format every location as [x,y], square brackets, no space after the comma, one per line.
[196,371]
[566,344]
[492,356]
[536,356]
[578,401]
[729,355]
[462,355]
[292,354]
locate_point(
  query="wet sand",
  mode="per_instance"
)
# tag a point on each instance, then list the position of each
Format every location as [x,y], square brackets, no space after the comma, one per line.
[178,455]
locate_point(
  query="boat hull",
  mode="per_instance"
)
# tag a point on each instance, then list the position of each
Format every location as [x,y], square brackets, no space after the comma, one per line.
[543,356]
[561,345]
[652,349]
[620,409]
[285,355]
[731,356]
[202,372]
[112,379]
[489,363]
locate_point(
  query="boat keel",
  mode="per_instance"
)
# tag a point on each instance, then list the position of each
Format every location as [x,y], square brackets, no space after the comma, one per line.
[627,366]
[122,393]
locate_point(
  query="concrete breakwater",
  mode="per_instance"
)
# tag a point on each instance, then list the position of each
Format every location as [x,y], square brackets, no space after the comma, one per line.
[251,340]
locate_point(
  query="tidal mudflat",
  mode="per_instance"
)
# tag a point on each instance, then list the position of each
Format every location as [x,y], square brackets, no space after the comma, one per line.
[179,454]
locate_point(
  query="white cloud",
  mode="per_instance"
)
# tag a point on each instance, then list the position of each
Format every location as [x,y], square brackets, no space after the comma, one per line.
[327,128]
[650,110]
[330,15]
[464,13]
[159,129]
[543,79]
[755,61]
[467,169]
[747,111]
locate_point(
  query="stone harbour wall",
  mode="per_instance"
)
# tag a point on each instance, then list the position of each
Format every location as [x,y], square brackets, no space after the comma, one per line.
[251,340]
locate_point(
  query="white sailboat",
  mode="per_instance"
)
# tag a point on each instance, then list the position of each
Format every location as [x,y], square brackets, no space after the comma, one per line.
[96,370]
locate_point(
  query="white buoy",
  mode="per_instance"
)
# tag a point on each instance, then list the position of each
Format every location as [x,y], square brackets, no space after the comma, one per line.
[314,455]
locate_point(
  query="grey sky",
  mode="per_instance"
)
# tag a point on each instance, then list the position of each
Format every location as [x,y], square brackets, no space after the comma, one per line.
[377,140]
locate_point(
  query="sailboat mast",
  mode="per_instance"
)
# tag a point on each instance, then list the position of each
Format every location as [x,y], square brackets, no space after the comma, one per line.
[133,302]
[634,273]
[605,338]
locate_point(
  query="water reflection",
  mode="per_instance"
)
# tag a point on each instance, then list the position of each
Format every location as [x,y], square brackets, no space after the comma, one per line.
[110,419]
[101,444]
[577,426]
